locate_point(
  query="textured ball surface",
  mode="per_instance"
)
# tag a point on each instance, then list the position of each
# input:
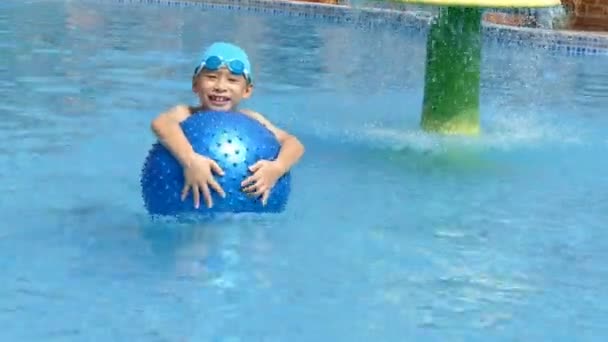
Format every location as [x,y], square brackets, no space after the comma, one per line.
[235,141]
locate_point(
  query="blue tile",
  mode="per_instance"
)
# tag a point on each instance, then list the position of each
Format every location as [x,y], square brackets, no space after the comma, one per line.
[582,44]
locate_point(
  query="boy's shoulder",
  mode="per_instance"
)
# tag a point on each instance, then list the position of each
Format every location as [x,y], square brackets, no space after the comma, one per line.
[253,114]
[180,108]
[278,132]
[180,112]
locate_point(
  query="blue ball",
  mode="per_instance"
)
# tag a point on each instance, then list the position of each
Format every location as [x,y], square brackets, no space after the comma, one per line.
[235,141]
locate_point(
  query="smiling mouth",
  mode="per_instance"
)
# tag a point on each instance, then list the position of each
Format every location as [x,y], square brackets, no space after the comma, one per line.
[215,99]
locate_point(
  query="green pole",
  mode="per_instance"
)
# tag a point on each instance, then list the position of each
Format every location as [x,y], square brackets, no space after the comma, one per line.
[451,91]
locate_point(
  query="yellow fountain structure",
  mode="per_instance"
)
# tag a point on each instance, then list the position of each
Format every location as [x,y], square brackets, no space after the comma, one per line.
[452,79]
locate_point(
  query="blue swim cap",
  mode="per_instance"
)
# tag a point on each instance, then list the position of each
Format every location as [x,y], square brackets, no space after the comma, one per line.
[227,53]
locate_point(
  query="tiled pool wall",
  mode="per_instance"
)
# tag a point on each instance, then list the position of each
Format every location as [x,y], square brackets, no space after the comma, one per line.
[403,17]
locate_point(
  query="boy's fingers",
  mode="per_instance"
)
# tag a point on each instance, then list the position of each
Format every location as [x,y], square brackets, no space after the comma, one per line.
[250,180]
[249,188]
[265,197]
[260,190]
[185,191]
[196,196]
[216,186]
[207,195]
[216,168]
[256,166]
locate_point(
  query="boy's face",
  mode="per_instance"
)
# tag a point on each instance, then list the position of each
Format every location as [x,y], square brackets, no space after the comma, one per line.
[220,89]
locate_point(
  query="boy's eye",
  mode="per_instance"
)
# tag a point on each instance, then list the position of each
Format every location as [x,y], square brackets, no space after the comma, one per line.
[233,79]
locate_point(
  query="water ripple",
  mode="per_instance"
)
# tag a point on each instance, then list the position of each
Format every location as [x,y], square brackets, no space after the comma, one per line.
[390,230]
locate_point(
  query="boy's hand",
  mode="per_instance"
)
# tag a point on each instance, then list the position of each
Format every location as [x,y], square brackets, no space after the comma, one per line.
[199,177]
[265,175]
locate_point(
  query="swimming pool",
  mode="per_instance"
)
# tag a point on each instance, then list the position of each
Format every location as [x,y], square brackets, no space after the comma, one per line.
[391,234]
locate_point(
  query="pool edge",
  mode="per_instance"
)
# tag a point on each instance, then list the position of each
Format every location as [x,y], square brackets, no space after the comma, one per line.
[578,43]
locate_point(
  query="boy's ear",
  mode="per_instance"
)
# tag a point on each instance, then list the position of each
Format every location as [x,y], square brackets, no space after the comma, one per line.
[248,91]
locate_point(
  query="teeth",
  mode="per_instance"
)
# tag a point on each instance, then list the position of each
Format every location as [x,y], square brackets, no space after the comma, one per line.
[218,98]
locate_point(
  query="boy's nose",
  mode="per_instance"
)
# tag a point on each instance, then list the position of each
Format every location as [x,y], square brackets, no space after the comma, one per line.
[220,85]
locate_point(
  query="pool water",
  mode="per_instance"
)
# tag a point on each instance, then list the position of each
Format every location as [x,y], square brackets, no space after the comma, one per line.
[391,234]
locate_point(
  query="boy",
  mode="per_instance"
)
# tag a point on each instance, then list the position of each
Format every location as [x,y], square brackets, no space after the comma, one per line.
[222,79]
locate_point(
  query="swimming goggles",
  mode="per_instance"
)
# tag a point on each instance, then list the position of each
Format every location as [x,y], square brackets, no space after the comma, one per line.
[213,63]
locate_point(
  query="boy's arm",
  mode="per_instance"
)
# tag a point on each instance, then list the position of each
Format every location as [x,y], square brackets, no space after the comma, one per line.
[291,147]
[167,129]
